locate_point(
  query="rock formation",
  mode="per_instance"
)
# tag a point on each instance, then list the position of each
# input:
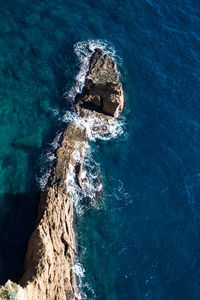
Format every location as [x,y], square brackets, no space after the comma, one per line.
[50,255]
[49,258]
[102,91]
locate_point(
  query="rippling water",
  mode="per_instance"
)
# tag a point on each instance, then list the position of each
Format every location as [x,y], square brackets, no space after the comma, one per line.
[143,241]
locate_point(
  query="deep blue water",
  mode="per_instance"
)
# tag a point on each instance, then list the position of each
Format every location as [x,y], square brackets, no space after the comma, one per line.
[144,241]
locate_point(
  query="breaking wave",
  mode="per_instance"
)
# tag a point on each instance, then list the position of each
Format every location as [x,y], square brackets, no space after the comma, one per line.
[79,271]
[85,198]
[113,128]
[48,158]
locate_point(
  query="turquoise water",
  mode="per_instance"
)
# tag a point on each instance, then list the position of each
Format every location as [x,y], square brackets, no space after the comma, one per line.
[143,242]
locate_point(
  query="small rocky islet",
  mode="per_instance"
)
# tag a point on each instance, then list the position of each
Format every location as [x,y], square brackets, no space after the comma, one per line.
[48,268]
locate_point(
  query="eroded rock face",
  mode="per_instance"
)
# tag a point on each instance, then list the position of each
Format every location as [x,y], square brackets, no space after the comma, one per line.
[102,91]
[50,254]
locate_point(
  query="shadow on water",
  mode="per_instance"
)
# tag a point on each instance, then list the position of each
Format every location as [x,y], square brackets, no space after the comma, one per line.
[16,227]
[19,211]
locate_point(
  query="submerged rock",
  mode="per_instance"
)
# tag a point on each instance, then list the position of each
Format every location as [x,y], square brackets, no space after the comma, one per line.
[102,91]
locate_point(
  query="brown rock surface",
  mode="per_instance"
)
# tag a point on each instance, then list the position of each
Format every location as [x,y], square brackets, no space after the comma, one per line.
[49,259]
[102,91]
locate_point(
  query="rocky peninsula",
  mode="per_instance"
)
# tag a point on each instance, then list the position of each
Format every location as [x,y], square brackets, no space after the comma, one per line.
[48,268]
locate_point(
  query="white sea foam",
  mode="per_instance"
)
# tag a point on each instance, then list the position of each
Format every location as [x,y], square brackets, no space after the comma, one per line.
[92,186]
[48,157]
[42,181]
[114,127]
[56,140]
[78,269]
[76,155]
[80,274]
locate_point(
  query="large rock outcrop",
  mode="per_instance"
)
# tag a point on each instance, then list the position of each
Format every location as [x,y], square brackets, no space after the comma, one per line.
[49,259]
[102,91]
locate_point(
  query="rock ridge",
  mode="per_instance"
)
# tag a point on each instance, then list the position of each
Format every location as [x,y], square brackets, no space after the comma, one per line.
[51,249]
[50,253]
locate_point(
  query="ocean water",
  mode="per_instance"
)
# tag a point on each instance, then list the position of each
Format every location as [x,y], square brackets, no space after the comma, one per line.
[142,240]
